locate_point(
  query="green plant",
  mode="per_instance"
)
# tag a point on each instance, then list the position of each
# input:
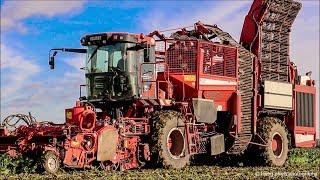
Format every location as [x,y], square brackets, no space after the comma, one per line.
[304,156]
[20,164]
[6,164]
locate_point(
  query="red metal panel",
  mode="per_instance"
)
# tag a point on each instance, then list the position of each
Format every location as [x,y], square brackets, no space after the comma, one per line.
[301,129]
[305,89]
[306,144]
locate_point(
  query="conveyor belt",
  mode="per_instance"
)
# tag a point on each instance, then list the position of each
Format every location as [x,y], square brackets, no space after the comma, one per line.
[274,32]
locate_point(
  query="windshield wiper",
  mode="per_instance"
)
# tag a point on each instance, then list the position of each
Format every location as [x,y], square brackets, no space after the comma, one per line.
[93,53]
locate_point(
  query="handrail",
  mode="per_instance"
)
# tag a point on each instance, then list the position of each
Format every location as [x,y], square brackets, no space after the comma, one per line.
[155,76]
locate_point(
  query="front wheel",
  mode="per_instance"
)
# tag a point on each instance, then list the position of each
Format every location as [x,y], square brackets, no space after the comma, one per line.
[170,141]
[51,162]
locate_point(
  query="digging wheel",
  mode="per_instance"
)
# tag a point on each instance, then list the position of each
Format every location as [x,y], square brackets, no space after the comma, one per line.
[51,162]
[274,134]
[169,140]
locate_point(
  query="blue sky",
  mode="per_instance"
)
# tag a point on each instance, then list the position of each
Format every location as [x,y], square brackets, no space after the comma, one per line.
[30,28]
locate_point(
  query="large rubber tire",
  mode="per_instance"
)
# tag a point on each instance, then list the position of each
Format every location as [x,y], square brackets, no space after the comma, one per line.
[51,162]
[273,132]
[169,148]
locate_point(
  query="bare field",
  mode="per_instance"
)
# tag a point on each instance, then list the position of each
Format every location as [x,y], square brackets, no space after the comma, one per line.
[302,164]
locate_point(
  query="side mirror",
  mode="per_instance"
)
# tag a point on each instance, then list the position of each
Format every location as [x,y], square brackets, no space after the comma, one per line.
[51,60]
[55,51]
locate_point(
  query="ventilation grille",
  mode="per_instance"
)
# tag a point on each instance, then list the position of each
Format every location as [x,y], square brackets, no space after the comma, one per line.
[305,108]
[219,60]
[182,57]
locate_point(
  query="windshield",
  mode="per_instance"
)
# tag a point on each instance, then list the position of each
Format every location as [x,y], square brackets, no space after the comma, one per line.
[107,58]
[123,60]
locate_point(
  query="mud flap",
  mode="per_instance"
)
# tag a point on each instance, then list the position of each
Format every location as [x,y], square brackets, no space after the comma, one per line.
[107,145]
[204,110]
[217,144]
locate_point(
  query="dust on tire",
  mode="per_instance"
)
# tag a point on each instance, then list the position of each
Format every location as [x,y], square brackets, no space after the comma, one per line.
[269,129]
[50,162]
[164,123]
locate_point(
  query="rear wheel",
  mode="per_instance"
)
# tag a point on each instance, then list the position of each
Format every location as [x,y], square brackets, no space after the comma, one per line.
[274,135]
[170,145]
[51,162]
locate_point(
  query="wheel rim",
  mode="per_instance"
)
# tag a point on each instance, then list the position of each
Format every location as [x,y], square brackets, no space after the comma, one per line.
[175,143]
[52,164]
[277,144]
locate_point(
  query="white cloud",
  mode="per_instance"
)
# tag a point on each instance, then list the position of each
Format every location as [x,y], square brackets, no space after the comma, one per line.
[45,97]
[14,12]
[21,89]
[24,87]
[18,69]
[76,61]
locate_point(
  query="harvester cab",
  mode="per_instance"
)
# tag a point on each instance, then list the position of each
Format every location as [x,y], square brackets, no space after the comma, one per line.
[113,66]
